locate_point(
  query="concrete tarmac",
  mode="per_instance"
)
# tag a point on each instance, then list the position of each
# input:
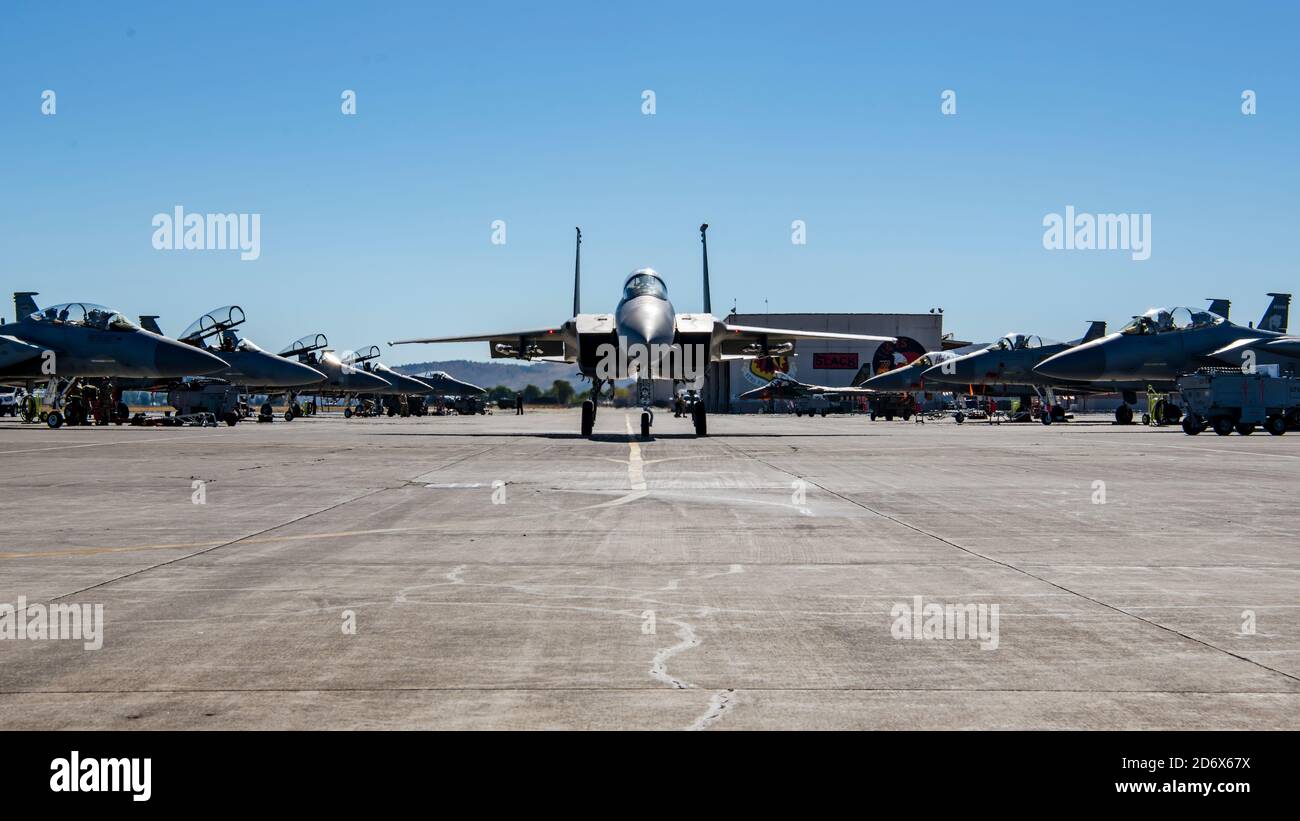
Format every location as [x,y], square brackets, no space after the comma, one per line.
[502,572]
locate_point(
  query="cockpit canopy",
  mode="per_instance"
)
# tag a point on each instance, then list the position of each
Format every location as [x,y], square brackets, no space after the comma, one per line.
[305,345]
[213,324]
[361,355]
[1161,320]
[1020,342]
[85,314]
[645,282]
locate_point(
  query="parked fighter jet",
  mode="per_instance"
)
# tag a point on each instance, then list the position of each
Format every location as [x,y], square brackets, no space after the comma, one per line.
[367,359]
[1161,344]
[1008,364]
[646,338]
[341,378]
[81,340]
[247,365]
[90,340]
[442,383]
[907,378]
[785,386]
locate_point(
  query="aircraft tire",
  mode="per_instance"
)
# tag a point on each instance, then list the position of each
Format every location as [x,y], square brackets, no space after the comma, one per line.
[959,417]
[1275,425]
[1124,415]
[54,420]
[645,425]
[588,418]
[1046,417]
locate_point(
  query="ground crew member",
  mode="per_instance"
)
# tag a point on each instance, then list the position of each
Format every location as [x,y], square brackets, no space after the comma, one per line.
[519,404]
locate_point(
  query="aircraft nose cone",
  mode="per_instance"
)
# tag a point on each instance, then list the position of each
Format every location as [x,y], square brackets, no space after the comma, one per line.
[290,373]
[644,321]
[1082,363]
[960,370]
[366,381]
[173,359]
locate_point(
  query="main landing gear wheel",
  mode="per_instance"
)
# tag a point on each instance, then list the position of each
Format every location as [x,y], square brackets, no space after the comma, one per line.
[54,420]
[1046,417]
[645,424]
[289,414]
[1124,415]
[700,418]
[588,417]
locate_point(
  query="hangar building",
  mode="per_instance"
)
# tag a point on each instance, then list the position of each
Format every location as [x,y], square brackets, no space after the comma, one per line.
[821,362]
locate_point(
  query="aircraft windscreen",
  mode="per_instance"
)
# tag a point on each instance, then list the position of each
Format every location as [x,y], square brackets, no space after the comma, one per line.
[85,314]
[361,355]
[310,342]
[645,285]
[1160,320]
[213,323]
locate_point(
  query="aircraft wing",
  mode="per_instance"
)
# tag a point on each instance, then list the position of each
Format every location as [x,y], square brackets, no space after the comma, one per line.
[14,351]
[1285,346]
[750,341]
[537,343]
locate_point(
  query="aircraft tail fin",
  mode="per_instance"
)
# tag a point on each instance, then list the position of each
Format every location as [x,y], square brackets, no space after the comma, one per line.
[1096,330]
[708,303]
[1276,316]
[150,323]
[1220,307]
[24,305]
[577,273]
[864,373]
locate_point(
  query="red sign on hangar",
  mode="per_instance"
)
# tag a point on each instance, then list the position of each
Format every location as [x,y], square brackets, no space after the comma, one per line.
[835,361]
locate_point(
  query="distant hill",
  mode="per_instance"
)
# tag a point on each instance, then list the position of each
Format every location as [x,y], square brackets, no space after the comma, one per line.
[515,376]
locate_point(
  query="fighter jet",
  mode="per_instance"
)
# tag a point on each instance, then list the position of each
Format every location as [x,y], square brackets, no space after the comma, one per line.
[367,359]
[907,378]
[247,365]
[1008,365]
[644,338]
[341,378]
[785,386]
[1161,344]
[80,340]
[442,383]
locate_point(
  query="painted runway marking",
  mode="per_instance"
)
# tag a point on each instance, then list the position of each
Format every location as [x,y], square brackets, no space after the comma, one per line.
[94,445]
[93,551]
[635,468]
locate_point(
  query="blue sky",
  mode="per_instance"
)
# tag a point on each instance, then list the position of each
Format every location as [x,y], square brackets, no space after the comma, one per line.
[378,225]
